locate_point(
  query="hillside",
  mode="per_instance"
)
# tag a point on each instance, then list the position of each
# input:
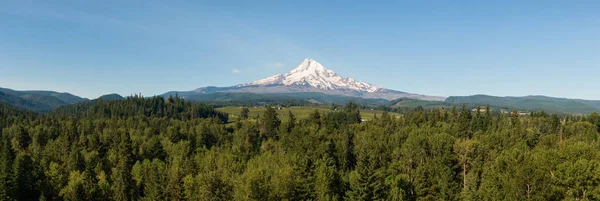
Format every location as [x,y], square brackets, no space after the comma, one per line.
[111,97]
[64,97]
[413,103]
[533,103]
[38,101]
[45,101]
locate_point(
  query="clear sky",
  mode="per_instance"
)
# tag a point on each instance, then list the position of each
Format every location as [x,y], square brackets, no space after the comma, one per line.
[505,48]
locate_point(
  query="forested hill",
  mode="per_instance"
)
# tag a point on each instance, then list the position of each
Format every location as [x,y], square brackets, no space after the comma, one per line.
[170,149]
[49,101]
[134,106]
[532,103]
[38,101]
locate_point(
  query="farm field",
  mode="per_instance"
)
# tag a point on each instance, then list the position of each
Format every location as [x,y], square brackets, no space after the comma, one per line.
[301,112]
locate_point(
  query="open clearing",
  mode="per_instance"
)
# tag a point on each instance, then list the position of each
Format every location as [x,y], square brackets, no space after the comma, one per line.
[301,112]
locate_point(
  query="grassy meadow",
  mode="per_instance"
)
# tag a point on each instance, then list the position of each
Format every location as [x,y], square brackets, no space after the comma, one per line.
[301,112]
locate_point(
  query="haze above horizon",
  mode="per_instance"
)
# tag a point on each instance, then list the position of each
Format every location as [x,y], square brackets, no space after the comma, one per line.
[440,48]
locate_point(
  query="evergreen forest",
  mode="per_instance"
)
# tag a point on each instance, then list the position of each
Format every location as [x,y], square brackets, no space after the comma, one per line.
[172,149]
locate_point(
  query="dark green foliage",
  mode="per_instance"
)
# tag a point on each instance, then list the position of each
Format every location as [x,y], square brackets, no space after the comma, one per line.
[244,113]
[109,97]
[38,101]
[338,119]
[291,123]
[123,183]
[367,180]
[24,178]
[172,107]
[464,123]
[315,118]
[171,149]
[269,124]
[7,182]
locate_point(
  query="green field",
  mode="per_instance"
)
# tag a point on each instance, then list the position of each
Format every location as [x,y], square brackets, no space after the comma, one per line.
[299,112]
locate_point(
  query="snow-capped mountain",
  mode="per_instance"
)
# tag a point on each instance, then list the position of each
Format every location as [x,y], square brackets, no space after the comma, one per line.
[312,73]
[311,76]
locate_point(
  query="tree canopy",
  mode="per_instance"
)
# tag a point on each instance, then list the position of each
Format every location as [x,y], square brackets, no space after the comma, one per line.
[171,149]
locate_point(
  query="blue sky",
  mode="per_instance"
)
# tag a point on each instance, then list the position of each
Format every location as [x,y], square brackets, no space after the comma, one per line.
[505,48]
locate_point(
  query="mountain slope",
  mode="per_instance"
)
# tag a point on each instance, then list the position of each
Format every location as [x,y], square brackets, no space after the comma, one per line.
[64,97]
[312,73]
[19,102]
[549,104]
[312,77]
[38,101]
[76,108]
[111,97]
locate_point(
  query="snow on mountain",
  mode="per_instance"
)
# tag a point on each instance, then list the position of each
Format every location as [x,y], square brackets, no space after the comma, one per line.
[312,73]
[312,77]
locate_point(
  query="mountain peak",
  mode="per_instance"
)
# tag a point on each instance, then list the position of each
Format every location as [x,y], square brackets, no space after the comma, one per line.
[312,76]
[309,65]
[309,68]
[311,73]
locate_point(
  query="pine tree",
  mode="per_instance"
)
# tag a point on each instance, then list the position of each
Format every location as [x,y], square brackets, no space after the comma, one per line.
[465,150]
[353,111]
[367,181]
[269,124]
[76,161]
[21,138]
[244,113]
[24,177]
[74,190]
[7,184]
[315,117]
[291,122]
[328,183]
[123,182]
[487,118]
[304,172]
[514,118]
[454,113]
[464,122]
[155,178]
[555,123]
[594,119]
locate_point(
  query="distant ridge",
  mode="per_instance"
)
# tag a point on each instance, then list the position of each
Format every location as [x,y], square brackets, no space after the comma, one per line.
[111,97]
[533,103]
[37,101]
[311,83]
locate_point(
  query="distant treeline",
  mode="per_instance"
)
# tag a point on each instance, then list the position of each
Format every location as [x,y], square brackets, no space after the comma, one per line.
[171,107]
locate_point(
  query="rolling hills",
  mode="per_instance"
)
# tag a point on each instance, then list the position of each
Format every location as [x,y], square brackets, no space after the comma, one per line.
[311,83]
[532,103]
[37,101]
